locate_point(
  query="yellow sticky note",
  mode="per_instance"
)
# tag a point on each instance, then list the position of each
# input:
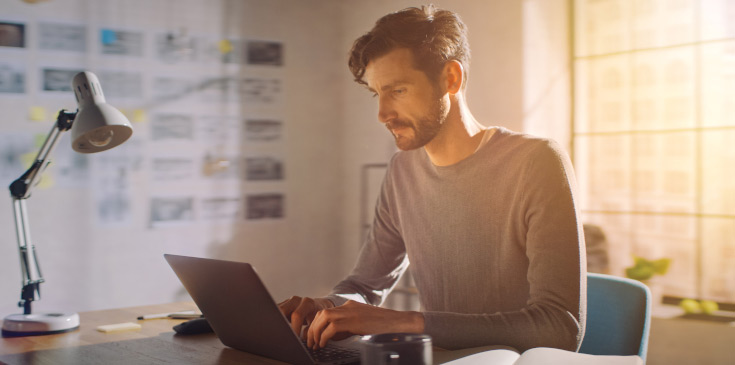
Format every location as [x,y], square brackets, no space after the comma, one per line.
[47,181]
[119,327]
[225,46]
[37,114]
[27,158]
[138,116]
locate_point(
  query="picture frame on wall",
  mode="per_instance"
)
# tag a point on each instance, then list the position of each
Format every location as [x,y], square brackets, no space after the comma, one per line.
[12,34]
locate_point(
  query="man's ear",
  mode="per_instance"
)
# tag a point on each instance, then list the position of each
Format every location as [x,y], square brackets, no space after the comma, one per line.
[454,76]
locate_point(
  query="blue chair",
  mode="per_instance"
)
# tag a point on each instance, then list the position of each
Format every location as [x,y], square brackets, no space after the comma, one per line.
[618,316]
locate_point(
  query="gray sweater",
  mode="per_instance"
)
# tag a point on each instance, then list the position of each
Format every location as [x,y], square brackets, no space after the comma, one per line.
[494,243]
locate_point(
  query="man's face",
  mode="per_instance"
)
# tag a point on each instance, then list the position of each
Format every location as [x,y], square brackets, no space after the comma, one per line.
[409,104]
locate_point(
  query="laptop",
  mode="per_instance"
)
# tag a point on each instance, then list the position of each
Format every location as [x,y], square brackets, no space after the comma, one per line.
[243,314]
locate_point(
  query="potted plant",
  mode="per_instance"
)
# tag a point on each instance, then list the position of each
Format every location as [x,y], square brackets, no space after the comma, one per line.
[644,270]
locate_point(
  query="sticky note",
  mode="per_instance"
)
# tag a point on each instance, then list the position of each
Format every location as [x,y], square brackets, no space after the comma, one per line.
[138,116]
[47,181]
[119,327]
[37,114]
[108,36]
[225,46]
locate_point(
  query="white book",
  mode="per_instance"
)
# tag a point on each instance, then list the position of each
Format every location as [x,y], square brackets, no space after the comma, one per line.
[537,356]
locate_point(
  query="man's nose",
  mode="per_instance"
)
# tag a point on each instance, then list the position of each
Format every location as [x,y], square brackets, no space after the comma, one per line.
[386,112]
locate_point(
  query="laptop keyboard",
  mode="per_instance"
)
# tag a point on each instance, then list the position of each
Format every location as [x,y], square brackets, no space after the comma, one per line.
[332,353]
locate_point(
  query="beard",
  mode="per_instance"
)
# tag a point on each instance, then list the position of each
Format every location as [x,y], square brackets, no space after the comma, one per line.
[424,130]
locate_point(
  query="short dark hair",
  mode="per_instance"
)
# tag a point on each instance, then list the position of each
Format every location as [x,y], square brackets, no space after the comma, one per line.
[433,36]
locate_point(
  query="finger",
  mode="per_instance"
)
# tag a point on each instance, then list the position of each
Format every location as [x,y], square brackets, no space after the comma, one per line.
[321,320]
[287,306]
[309,331]
[329,332]
[297,321]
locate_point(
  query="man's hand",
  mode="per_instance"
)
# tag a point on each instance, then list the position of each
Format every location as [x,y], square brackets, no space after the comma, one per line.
[360,319]
[301,311]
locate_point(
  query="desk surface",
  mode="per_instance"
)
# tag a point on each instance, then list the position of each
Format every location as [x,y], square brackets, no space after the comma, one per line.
[155,343]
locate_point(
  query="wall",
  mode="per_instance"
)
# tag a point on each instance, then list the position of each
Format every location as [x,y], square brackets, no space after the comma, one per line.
[546,70]
[88,265]
[330,127]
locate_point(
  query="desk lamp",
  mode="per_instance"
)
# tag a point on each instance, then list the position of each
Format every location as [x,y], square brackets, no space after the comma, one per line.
[95,126]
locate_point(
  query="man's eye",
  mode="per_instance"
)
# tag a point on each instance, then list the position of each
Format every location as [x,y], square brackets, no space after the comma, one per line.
[399,91]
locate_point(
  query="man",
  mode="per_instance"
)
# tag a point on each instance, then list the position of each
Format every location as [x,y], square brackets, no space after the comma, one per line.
[485,216]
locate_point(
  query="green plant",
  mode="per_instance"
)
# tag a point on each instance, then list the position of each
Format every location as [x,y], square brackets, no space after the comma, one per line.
[644,269]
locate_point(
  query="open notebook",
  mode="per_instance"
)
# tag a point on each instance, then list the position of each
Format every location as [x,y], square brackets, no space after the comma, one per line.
[540,355]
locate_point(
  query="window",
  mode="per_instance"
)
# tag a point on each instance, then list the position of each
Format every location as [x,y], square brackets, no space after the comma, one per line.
[654,136]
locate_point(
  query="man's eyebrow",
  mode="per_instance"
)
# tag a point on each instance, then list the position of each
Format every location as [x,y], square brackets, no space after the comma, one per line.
[390,85]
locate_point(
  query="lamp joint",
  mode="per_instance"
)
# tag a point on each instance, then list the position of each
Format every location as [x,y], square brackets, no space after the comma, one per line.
[65,119]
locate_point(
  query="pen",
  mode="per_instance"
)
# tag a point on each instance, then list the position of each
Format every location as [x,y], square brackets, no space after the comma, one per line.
[165,315]
[185,315]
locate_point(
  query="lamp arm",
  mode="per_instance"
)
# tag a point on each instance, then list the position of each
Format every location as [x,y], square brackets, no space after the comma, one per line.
[20,190]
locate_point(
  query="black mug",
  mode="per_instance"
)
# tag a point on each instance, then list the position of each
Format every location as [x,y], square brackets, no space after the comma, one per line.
[396,348]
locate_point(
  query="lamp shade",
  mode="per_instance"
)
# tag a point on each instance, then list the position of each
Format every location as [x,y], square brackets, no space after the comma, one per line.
[98,126]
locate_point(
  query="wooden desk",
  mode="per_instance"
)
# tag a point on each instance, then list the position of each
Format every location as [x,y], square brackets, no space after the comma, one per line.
[155,343]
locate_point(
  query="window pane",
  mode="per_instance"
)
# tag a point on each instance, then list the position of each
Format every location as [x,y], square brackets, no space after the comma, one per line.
[716,18]
[664,172]
[718,262]
[718,83]
[718,163]
[604,172]
[603,94]
[658,236]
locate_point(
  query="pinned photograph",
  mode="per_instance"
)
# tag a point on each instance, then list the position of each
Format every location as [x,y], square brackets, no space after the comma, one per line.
[57,79]
[171,209]
[173,47]
[70,169]
[221,167]
[114,200]
[172,168]
[219,131]
[219,89]
[114,208]
[113,185]
[221,208]
[120,84]
[263,130]
[265,53]
[172,127]
[122,43]
[12,79]
[263,169]
[171,88]
[232,51]
[12,35]
[260,90]
[264,206]
[62,37]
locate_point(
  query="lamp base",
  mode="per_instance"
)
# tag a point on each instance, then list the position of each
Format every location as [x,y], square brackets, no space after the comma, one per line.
[38,324]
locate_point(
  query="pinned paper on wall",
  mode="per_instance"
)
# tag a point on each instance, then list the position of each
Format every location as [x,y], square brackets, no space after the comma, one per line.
[108,36]
[225,46]
[47,179]
[12,78]
[37,114]
[139,116]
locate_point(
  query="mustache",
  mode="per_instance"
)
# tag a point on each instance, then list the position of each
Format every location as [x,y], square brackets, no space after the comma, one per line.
[397,124]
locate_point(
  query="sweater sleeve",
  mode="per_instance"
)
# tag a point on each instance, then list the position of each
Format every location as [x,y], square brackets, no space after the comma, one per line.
[554,315]
[381,262]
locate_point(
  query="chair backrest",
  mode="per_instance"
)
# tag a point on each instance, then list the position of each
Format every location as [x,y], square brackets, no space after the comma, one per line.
[618,316]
